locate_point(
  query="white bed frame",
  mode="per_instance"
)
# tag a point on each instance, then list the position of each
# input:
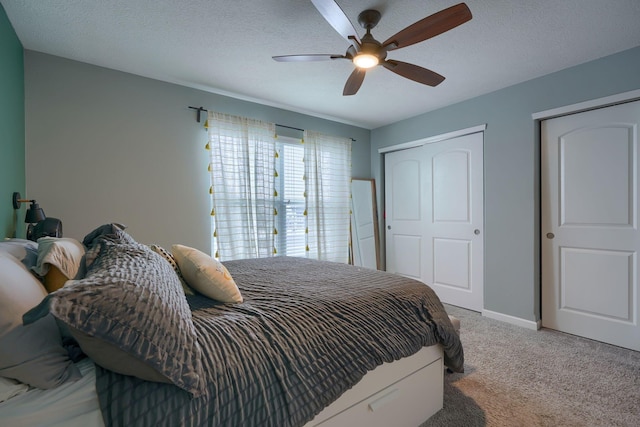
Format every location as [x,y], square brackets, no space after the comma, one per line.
[406,392]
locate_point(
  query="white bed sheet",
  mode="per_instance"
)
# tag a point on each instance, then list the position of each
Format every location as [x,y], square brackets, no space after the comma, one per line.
[73,404]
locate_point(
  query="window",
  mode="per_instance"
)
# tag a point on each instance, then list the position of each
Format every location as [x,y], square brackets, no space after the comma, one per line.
[291,239]
[277,195]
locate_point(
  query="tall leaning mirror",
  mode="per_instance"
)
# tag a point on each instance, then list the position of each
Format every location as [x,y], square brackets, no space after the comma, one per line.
[365,242]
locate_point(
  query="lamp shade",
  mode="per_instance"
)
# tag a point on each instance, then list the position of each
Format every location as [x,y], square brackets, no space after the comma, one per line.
[365,60]
[34,213]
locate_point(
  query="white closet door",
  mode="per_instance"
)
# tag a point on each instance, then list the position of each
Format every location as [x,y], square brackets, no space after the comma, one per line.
[590,238]
[434,217]
[454,220]
[405,206]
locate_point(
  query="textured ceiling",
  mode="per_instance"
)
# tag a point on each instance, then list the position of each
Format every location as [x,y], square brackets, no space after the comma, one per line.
[225,46]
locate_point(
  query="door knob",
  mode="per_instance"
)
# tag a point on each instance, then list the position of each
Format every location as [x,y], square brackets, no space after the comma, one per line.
[550,235]
[476,231]
[388,227]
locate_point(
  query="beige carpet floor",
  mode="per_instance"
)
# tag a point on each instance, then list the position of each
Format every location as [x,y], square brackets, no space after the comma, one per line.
[520,377]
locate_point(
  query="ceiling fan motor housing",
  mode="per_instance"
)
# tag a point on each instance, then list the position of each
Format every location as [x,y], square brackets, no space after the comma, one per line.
[373,47]
[369,18]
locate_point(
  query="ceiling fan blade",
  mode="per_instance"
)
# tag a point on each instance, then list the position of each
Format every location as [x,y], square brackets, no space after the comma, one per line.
[306,58]
[414,72]
[354,81]
[429,27]
[334,15]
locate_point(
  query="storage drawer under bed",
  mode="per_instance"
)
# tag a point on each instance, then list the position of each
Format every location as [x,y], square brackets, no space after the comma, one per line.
[408,395]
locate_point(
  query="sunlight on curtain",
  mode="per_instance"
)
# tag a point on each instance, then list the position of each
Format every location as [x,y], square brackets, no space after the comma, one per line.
[242,168]
[327,168]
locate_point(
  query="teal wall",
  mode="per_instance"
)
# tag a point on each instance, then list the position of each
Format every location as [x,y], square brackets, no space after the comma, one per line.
[511,166]
[12,165]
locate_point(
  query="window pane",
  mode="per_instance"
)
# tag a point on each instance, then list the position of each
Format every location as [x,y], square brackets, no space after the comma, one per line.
[291,239]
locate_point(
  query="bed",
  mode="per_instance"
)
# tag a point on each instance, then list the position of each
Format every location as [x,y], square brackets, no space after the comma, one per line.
[285,342]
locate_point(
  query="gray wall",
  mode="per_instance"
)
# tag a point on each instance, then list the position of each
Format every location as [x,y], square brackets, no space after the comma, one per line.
[107,146]
[511,166]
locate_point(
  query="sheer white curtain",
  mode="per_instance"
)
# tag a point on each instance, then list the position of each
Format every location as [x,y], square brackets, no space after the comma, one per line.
[327,164]
[242,167]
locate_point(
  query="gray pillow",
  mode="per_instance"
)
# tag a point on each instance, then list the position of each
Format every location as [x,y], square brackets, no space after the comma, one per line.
[112,231]
[131,316]
[109,230]
[31,354]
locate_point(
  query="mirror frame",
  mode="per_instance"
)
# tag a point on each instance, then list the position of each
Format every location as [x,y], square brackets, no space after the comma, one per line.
[374,219]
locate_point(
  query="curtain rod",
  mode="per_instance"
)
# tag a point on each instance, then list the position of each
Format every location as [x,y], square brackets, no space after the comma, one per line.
[202,109]
[199,110]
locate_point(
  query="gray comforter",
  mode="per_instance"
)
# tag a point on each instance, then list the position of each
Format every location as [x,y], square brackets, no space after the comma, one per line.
[306,332]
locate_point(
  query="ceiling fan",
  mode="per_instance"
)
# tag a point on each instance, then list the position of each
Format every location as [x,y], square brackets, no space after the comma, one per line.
[367,52]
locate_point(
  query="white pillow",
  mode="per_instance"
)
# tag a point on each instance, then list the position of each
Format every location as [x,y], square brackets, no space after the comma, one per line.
[25,251]
[61,252]
[32,354]
[205,274]
[10,388]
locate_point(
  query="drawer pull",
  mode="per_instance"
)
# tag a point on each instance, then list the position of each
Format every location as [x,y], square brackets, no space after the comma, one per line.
[381,401]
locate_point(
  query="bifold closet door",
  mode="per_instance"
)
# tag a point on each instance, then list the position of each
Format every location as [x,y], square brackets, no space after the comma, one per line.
[434,217]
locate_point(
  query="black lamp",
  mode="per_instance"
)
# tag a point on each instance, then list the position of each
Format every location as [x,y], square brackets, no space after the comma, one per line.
[34,213]
[39,224]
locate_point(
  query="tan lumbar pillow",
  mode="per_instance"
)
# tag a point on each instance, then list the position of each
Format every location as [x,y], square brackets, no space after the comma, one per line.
[206,274]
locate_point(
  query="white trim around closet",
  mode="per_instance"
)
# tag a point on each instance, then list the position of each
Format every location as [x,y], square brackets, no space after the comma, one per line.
[431,139]
[619,98]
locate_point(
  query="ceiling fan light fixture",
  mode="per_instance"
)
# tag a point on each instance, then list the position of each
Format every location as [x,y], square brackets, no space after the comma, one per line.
[366,52]
[365,60]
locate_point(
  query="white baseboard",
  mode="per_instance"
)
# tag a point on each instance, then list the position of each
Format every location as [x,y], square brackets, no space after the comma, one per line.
[529,324]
